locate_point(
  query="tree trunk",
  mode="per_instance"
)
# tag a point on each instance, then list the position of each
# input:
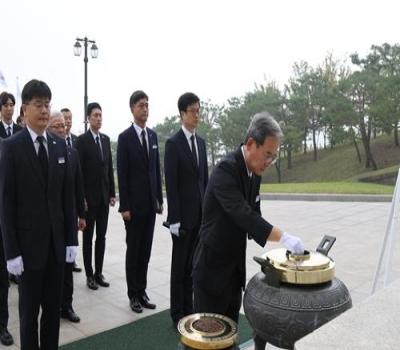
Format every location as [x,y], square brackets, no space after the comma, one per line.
[365,138]
[396,134]
[353,136]
[289,157]
[314,140]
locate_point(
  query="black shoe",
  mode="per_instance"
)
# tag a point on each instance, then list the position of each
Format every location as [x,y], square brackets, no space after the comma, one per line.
[76,268]
[101,281]
[91,283]
[135,305]
[70,315]
[13,278]
[145,302]
[5,337]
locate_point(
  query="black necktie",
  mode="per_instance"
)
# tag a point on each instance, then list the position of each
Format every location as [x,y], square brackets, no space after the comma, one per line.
[144,144]
[9,131]
[43,160]
[194,150]
[69,141]
[98,145]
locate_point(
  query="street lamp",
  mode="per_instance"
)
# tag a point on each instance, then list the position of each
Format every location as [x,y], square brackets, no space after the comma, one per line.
[94,52]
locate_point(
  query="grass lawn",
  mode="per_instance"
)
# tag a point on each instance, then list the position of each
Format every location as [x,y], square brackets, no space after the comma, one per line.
[328,187]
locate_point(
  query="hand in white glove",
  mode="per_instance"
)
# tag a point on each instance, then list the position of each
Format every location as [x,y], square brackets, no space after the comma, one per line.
[174,229]
[15,266]
[70,253]
[292,243]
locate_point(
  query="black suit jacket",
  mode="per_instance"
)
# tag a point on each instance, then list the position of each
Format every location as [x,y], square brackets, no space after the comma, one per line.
[3,133]
[75,182]
[74,138]
[185,181]
[34,217]
[231,212]
[139,182]
[98,174]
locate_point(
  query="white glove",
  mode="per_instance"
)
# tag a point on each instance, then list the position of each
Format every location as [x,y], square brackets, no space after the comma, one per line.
[15,266]
[70,253]
[174,229]
[292,243]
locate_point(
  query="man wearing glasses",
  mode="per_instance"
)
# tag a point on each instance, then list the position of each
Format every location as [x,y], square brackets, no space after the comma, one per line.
[231,213]
[36,223]
[186,176]
[57,126]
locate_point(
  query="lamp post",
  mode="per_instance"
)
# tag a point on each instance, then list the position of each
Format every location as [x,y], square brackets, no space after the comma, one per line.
[94,51]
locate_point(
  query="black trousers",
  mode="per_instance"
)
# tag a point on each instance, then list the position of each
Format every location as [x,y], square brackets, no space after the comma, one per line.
[181,285]
[139,240]
[68,287]
[4,285]
[95,216]
[41,288]
[227,303]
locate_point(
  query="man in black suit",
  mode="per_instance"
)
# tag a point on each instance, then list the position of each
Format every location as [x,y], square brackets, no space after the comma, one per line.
[186,176]
[7,126]
[231,213]
[140,197]
[94,150]
[75,183]
[70,140]
[7,129]
[37,225]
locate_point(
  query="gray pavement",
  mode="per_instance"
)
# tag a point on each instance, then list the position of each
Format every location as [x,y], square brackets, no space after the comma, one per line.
[358,226]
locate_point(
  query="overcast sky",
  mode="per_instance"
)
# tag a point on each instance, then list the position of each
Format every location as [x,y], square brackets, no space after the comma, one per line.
[215,48]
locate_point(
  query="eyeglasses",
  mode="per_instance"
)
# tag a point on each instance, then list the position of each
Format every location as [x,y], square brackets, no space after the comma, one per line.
[57,126]
[40,104]
[271,158]
[193,111]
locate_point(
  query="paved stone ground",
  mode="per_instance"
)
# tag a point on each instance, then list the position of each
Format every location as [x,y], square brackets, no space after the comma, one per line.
[358,227]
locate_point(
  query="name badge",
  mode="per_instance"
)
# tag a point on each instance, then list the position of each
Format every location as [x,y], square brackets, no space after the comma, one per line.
[258,198]
[155,147]
[61,160]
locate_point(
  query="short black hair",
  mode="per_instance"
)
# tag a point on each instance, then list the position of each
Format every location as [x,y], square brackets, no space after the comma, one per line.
[66,110]
[137,96]
[35,88]
[186,100]
[4,97]
[91,106]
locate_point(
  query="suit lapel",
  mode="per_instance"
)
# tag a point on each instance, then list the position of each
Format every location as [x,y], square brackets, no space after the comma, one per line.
[185,146]
[244,177]
[201,153]
[51,144]
[93,144]
[32,156]
[2,130]
[137,143]
[104,145]
[151,143]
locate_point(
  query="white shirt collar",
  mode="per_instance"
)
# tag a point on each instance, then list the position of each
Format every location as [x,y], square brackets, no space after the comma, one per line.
[249,173]
[139,129]
[34,135]
[187,133]
[6,124]
[93,134]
